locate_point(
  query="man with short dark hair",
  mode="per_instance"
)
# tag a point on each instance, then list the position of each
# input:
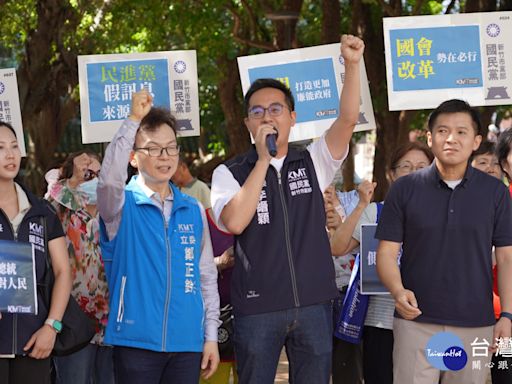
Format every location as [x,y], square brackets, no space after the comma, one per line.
[164,303]
[283,280]
[444,282]
[191,185]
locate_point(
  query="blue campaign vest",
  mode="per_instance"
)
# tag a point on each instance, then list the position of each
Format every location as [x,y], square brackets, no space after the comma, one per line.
[153,275]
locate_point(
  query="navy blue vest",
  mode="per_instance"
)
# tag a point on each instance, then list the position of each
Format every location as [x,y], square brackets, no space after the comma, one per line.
[16,329]
[283,256]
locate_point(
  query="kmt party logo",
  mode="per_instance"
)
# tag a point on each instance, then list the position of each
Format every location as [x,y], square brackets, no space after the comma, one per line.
[445,352]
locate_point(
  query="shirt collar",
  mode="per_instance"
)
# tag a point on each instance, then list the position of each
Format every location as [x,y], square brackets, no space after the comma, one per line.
[189,185]
[434,175]
[150,193]
[23,205]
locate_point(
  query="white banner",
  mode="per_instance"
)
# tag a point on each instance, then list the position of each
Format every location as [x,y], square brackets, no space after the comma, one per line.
[107,83]
[430,59]
[315,76]
[10,110]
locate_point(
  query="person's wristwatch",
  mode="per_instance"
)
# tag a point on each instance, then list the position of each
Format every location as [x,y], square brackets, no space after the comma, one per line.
[506,315]
[55,324]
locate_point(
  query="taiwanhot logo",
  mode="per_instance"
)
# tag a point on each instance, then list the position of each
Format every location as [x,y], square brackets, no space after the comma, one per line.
[445,352]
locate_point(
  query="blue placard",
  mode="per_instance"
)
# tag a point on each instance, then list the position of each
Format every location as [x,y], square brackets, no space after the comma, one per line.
[436,58]
[111,85]
[370,282]
[17,275]
[313,85]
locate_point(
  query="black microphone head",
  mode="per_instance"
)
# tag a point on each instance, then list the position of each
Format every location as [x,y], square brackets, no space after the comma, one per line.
[271,144]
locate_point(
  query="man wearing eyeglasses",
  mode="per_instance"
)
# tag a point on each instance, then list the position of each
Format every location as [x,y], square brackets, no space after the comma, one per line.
[284,280]
[158,257]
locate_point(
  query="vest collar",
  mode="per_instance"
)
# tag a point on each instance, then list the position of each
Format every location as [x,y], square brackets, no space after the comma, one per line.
[141,198]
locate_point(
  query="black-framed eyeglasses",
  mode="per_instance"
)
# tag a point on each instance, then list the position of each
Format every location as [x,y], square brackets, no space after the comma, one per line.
[90,174]
[171,150]
[258,112]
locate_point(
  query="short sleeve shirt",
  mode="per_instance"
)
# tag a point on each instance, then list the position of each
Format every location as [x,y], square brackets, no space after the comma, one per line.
[447,237]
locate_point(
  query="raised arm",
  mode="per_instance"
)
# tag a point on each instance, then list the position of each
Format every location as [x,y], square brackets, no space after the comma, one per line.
[114,172]
[342,241]
[339,134]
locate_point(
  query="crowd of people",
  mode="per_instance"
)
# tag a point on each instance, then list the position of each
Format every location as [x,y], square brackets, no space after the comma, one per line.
[184,286]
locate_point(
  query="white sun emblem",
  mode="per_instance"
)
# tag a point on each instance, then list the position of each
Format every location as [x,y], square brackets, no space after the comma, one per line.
[2,87]
[180,66]
[493,30]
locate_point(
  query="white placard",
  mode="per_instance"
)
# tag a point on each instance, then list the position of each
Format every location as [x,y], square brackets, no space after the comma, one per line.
[10,110]
[430,59]
[315,76]
[107,83]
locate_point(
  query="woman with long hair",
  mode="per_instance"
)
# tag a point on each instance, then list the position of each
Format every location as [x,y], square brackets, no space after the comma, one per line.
[26,340]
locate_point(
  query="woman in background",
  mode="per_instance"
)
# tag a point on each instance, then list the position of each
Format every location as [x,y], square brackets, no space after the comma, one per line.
[74,198]
[378,326]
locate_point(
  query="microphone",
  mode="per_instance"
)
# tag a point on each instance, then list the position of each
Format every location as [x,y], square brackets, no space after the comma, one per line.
[271,144]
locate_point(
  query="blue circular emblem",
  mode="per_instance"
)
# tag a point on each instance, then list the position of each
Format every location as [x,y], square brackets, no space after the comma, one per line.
[445,352]
[180,66]
[493,30]
[342,60]
[2,87]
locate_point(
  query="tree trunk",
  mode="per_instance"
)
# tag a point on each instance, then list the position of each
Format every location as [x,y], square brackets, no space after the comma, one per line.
[229,96]
[331,21]
[286,36]
[45,80]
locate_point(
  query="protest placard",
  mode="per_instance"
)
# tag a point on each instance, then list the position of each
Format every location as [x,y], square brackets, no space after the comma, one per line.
[430,59]
[315,75]
[10,110]
[107,83]
[370,281]
[17,278]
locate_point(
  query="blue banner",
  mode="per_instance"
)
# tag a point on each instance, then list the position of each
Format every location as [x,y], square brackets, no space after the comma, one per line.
[370,282]
[111,85]
[313,85]
[350,324]
[17,278]
[436,58]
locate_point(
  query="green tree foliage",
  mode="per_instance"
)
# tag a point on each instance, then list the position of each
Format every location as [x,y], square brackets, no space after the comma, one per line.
[45,37]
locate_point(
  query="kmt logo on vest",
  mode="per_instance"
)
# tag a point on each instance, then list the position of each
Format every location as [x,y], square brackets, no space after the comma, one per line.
[445,352]
[36,236]
[298,182]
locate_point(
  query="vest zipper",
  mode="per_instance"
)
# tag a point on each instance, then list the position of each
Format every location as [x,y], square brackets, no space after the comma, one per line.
[288,243]
[168,291]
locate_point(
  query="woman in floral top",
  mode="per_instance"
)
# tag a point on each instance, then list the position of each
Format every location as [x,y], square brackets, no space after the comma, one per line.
[74,198]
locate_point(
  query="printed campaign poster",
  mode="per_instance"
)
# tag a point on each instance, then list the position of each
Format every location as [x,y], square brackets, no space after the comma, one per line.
[17,277]
[315,76]
[10,110]
[370,282]
[430,59]
[107,83]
